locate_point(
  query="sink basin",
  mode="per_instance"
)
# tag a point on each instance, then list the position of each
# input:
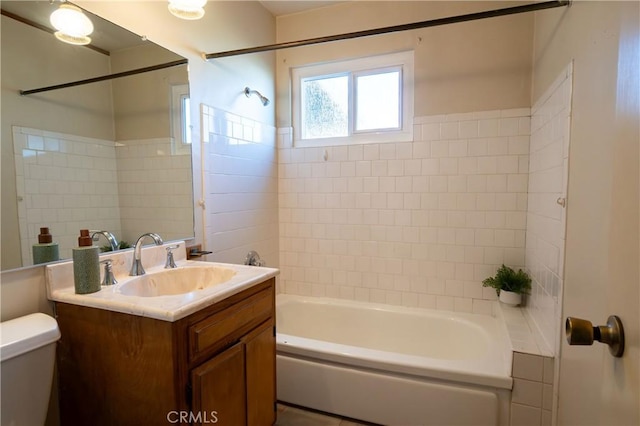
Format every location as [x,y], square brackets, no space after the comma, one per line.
[171,282]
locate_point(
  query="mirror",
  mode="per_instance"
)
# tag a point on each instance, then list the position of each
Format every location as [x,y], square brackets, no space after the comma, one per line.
[113,155]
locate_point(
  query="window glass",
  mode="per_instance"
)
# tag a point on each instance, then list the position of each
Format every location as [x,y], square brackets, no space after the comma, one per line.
[364,100]
[325,107]
[378,101]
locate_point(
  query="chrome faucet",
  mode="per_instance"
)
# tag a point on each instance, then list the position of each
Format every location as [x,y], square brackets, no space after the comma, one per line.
[253,259]
[95,236]
[136,265]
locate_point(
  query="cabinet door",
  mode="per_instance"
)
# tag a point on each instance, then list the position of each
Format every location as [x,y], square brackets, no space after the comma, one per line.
[219,389]
[260,353]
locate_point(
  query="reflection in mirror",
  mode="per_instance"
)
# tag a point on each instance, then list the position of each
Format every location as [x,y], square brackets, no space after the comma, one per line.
[112,156]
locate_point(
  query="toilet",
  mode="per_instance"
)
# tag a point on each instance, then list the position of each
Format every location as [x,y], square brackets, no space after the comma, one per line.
[28,357]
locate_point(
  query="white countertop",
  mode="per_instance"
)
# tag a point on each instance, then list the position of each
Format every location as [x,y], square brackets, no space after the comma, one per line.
[60,286]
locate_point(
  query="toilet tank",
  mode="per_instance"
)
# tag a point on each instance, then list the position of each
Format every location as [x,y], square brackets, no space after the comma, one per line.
[28,357]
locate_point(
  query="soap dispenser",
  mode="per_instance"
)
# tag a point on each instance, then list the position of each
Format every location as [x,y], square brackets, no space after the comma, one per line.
[46,250]
[86,265]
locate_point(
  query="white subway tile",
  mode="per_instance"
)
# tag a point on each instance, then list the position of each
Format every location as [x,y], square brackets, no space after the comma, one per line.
[449,130]
[356,152]
[526,366]
[421,150]
[488,127]
[439,149]
[458,148]
[395,168]
[467,166]
[468,129]
[462,305]
[431,131]
[388,151]
[478,147]
[449,166]
[527,392]
[430,166]
[371,152]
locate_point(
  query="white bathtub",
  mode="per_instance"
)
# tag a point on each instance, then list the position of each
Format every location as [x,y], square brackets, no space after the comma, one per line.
[392,365]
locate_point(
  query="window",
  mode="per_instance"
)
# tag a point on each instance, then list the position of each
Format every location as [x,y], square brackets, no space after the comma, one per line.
[355,101]
[181,119]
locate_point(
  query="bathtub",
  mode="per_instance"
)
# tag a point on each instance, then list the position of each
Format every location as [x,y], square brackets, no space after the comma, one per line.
[392,365]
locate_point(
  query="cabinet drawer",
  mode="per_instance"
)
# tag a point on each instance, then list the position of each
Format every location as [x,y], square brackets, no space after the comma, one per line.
[228,325]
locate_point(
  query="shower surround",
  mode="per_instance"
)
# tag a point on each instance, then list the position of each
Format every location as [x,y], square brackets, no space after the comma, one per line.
[418,224]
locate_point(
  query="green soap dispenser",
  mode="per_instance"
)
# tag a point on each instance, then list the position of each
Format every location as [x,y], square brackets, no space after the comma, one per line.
[46,250]
[86,265]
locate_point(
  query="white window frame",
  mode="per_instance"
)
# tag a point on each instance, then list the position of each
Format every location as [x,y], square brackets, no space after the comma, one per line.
[357,67]
[179,144]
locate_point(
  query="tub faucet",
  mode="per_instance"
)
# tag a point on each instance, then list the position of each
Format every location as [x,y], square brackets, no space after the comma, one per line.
[253,259]
[136,265]
[95,236]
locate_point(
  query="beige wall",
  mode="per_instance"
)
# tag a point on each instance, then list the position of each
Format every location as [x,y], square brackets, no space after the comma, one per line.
[141,110]
[31,59]
[473,66]
[601,264]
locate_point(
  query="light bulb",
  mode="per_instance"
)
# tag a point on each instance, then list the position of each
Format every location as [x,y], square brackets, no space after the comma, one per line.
[187,9]
[73,26]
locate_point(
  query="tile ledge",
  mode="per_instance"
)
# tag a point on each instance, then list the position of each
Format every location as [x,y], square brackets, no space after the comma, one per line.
[523,333]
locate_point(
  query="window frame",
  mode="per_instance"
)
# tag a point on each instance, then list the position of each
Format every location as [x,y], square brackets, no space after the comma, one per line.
[354,68]
[180,126]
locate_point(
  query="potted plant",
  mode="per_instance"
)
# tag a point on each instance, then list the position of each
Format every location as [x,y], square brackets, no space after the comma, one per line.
[509,284]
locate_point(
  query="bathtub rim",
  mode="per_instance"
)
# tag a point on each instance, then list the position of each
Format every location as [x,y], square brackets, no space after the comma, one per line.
[484,372]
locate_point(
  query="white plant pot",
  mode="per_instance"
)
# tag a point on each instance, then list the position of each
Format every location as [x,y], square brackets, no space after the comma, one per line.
[510,298]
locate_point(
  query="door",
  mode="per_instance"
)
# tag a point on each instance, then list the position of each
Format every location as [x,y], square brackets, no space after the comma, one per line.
[602,252]
[260,350]
[218,394]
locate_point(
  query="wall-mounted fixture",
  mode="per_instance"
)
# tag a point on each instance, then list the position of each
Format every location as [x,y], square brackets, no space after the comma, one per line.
[187,9]
[248,92]
[72,25]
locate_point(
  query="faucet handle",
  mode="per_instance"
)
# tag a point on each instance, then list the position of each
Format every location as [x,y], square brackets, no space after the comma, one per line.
[170,263]
[109,278]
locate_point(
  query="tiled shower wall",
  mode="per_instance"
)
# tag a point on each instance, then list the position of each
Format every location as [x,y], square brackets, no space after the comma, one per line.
[241,196]
[66,183]
[155,189]
[546,216]
[419,223]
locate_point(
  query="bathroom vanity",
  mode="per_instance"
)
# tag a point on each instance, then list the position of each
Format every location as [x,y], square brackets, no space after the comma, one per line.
[186,356]
[213,366]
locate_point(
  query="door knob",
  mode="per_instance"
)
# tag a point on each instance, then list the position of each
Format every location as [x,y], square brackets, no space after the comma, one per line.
[582,332]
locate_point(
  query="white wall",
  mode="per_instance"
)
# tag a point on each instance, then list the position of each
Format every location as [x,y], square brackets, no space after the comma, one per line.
[601,270]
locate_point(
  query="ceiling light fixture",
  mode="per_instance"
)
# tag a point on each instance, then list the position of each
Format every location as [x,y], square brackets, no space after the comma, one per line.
[73,26]
[187,9]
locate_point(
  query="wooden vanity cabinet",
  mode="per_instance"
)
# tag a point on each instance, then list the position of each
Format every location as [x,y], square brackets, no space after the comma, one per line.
[215,366]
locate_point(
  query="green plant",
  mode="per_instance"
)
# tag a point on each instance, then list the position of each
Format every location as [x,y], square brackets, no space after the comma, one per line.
[509,280]
[121,246]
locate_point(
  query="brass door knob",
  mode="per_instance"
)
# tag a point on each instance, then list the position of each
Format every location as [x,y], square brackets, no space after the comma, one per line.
[582,332]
